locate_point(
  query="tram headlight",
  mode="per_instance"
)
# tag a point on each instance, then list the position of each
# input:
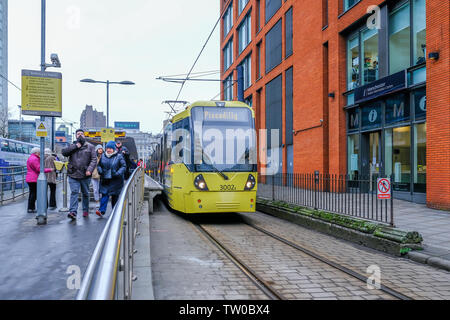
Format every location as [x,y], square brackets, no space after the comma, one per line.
[200,183]
[251,182]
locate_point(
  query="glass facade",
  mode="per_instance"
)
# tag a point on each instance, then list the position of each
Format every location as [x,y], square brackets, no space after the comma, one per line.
[419,31]
[228,55]
[247,67]
[245,33]
[228,88]
[241,5]
[274,46]
[349,3]
[228,20]
[387,137]
[353,63]
[289,32]
[399,39]
[272,7]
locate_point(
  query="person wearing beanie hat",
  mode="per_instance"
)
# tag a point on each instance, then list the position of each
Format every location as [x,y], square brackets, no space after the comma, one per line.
[96,177]
[82,162]
[49,162]
[111,168]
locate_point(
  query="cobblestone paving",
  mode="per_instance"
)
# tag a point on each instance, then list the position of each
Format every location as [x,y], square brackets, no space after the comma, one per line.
[292,273]
[415,280]
[186,266]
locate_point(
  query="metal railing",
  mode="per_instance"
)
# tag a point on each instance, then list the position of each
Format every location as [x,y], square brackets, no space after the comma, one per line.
[341,194]
[12,183]
[109,274]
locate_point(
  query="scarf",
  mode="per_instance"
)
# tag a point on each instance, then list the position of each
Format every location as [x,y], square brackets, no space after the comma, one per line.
[110,155]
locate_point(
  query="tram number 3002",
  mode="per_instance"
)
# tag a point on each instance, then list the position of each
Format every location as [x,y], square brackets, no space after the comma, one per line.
[227,187]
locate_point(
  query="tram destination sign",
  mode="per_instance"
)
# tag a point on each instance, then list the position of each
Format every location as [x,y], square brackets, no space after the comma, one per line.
[41,93]
[381,87]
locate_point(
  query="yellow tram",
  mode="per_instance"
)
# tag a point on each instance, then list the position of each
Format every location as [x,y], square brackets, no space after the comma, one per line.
[208,158]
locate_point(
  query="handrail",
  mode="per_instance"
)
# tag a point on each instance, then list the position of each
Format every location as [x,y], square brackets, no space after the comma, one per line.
[114,250]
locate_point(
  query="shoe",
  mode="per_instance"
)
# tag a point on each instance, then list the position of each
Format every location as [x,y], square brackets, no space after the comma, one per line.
[98,213]
[85,214]
[30,211]
[52,208]
[72,215]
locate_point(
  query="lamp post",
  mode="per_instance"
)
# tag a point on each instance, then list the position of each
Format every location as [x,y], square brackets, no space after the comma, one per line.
[107,82]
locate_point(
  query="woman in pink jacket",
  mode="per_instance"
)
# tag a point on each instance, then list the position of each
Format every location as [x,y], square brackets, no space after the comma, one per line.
[33,169]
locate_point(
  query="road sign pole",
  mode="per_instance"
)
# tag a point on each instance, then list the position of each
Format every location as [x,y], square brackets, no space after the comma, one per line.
[41,215]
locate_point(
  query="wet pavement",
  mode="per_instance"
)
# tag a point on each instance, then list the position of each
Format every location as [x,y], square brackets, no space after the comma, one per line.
[44,262]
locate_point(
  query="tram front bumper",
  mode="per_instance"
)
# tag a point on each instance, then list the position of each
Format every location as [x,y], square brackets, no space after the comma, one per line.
[204,202]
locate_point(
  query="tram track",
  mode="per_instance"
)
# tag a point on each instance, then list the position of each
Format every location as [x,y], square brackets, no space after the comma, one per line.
[265,286]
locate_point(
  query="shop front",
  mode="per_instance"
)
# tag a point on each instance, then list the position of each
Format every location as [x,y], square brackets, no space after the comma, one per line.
[386,135]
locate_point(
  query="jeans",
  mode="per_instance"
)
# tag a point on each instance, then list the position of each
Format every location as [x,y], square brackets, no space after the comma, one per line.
[52,187]
[104,202]
[32,195]
[96,187]
[75,185]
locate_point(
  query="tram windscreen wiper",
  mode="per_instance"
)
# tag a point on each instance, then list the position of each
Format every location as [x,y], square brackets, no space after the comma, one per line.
[224,176]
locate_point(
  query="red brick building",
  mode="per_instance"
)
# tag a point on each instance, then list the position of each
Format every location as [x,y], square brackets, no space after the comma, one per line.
[348,86]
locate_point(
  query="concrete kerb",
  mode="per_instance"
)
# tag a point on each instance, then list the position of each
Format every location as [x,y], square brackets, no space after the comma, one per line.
[430,260]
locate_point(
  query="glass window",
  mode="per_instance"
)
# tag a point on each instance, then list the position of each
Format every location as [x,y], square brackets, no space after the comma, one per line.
[353,62]
[12,147]
[353,156]
[420,103]
[370,52]
[228,88]
[228,55]
[397,109]
[419,31]
[249,101]
[289,107]
[371,115]
[274,107]
[245,35]
[288,41]
[353,119]
[399,39]
[247,68]
[273,47]
[398,158]
[258,60]
[349,3]
[258,15]
[272,7]
[241,5]
[420,157]
[228,20]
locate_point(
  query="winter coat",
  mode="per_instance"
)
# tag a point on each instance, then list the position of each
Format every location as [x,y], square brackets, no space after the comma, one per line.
[111,172]
[80,160]
[50,164]
[34,168]
[95,174]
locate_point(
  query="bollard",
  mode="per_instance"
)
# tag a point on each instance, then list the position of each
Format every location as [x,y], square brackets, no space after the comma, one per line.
[64,208]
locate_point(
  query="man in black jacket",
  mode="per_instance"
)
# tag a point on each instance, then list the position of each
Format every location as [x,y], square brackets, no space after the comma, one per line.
[82,162]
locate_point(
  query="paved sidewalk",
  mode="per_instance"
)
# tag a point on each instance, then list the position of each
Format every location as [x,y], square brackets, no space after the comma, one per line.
[433,225]
[35,259]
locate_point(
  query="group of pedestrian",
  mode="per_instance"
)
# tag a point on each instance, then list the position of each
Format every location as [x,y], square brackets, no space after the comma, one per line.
[106,169]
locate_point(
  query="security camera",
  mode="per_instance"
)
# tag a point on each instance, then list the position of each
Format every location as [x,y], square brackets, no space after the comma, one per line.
[55,60]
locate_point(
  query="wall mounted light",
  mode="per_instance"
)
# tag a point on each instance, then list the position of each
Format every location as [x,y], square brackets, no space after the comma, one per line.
[331,95]
[433,56]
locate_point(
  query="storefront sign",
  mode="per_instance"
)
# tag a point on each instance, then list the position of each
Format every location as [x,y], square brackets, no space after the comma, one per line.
[41,93]
[381,87]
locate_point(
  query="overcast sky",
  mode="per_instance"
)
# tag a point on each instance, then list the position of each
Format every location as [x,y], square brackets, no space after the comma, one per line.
[117,40]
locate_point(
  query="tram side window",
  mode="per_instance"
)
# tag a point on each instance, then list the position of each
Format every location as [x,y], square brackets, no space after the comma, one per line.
[19,148]
[5,145]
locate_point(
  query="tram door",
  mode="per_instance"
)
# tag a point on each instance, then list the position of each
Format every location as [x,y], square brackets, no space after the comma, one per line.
[371,163]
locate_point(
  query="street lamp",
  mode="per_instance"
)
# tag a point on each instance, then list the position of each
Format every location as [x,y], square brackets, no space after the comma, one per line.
[107,82]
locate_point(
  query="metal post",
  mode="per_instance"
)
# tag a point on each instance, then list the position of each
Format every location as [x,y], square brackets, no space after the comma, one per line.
[64,208]
[41,215]
[107,103]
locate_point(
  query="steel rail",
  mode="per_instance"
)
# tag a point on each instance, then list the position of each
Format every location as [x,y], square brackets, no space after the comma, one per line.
[333,264]
[258,281]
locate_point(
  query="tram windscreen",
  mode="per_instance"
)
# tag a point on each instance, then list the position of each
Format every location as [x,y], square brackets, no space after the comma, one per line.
[224,139]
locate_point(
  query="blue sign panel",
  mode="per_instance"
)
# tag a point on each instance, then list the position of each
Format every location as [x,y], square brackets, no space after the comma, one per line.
[126,125]
[381,87]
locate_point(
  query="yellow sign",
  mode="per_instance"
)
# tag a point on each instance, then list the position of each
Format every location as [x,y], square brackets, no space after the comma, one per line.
[108,134]
[41,130]
[42,127]
[41,93]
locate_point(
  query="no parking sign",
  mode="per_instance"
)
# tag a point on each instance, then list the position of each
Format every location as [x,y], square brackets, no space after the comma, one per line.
[384,188]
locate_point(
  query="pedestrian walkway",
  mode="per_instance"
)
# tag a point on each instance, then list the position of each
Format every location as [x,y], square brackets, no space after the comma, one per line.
[35,259]
[433,225]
